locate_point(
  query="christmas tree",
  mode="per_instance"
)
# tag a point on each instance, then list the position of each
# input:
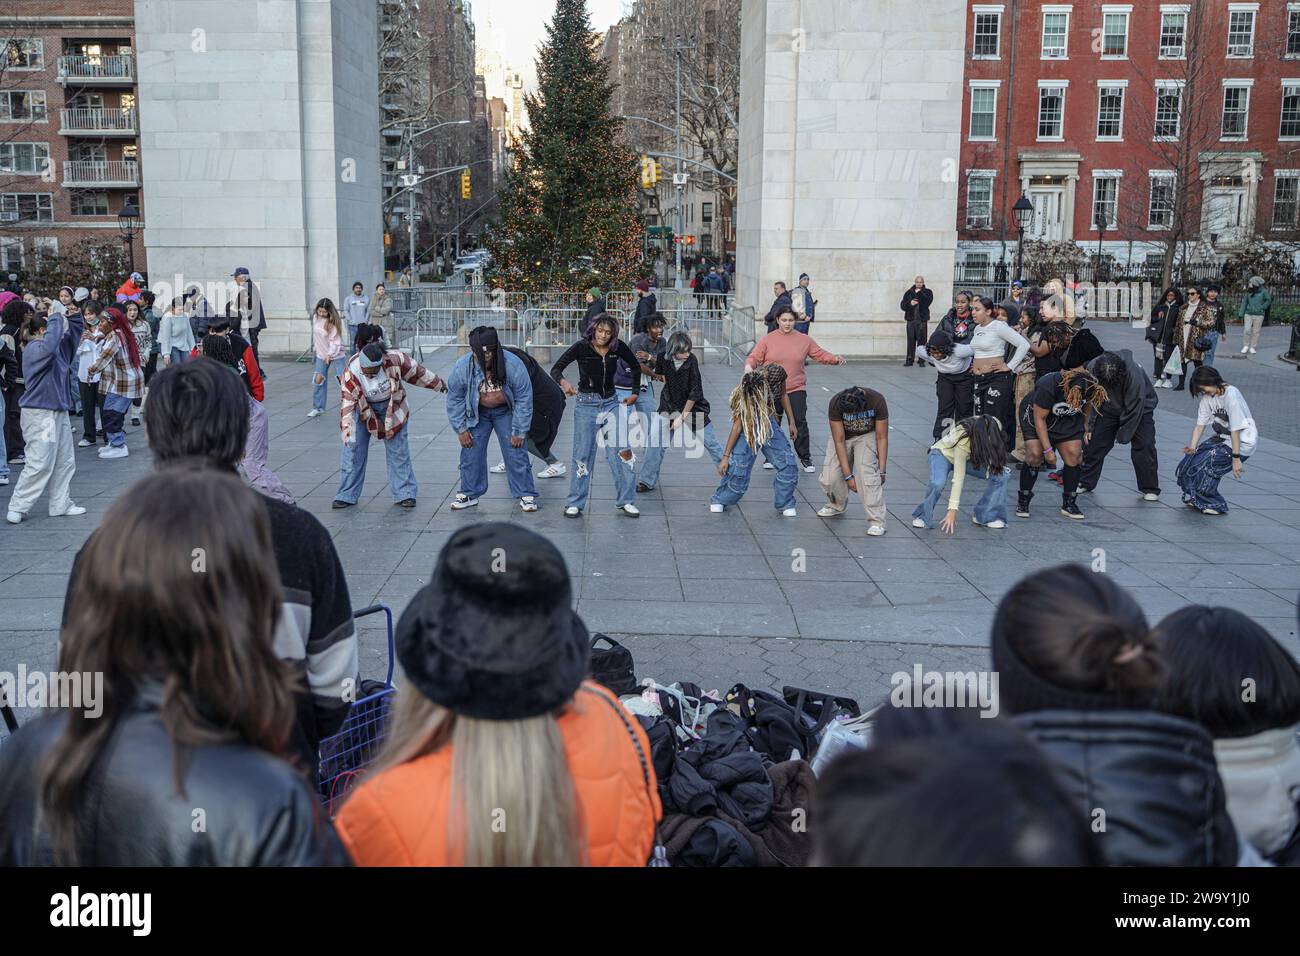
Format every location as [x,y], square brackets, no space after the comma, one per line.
[572,192]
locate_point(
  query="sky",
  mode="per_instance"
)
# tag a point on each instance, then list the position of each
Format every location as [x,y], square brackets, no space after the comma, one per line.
[516,27]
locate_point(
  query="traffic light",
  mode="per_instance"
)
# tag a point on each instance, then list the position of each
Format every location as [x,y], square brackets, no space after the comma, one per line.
[464,184]
[658,173]
[649,172]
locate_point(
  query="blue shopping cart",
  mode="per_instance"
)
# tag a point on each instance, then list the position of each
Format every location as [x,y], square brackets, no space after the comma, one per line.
[345,756]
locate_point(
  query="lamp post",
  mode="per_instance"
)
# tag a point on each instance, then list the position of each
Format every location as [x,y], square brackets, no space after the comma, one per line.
[1101,235]
[1024,212]
[128,224]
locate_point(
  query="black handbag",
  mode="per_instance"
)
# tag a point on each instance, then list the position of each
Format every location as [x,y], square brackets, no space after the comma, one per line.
[612,667]
[1204,343]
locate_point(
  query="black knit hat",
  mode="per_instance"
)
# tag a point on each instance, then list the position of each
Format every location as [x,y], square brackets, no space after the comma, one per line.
[493,634]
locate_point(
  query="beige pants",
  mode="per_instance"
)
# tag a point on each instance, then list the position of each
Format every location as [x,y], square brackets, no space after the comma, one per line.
[1250,335]
[865,466]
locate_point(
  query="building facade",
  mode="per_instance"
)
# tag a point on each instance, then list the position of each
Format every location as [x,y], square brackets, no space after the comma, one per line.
[69,127]
[1133,128]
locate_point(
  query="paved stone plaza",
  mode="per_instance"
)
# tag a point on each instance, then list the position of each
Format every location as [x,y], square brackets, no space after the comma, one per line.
[713,598]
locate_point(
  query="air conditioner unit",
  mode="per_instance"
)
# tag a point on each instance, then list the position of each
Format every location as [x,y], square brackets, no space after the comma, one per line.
[1241,49]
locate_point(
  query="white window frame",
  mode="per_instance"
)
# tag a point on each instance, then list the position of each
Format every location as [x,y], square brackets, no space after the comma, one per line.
[1153,175]
[1253,10]
[1178,85]
[36,42]
[41,167]
[1065,10]
[986,269]
[1293,87]
[1235,84]
[1115,9]
[996,87]
[5,217]
[986,9]
[1292,175]
[983,174]
[1122,86]
[1183,10]
[12,242]
[1292,17]
[44,101]
[76,196]
[1099,175]
[1062,86]
[43,246]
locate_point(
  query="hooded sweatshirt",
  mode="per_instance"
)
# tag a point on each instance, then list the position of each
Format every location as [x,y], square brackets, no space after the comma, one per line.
[1130,401]
[47,362]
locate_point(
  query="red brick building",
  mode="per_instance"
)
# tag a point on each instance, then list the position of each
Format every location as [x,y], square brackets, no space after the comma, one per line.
[69,133]
[1174,122]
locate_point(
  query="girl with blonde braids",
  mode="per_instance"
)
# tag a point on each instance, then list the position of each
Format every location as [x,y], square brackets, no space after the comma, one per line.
[755,428]
[1061,404]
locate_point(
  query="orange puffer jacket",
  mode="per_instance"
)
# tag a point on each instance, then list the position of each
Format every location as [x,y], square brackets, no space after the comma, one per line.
[399,817]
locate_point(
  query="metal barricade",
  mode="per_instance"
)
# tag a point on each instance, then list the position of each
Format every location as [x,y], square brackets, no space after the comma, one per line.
[440,328]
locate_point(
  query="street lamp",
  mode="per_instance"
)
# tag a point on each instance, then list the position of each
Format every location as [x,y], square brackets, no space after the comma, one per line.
[1024,212]
[1101,224]
[128,224]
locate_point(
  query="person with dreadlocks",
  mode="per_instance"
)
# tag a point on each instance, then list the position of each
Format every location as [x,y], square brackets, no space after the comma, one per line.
[1055,417]
[257,448]
[488,391]
[975,446]
[596,415]
[754,428]
[1127,417]
[954,384]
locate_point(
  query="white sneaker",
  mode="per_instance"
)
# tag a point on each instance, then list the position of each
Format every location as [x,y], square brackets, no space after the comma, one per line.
[1150,496]
[119,451]
[463,501]
[875,530]
[790,513]
[768,465]
[828,512]
[810,468]
[1253,351]
[72,511]
[557,470]
[1244,349]
[528,503]
[84,443]
[716,508]
[1210,511]
[572,511]
[313,413]
[4,480]
[632,511]
[997,523]
[918,523]
[499,468]
[14,517]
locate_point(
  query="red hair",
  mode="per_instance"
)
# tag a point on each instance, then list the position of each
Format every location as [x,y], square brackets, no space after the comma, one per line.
[124,333]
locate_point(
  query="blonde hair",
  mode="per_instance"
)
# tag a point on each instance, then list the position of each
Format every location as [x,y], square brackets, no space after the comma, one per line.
[512,798]
[752,406]
[1065,301]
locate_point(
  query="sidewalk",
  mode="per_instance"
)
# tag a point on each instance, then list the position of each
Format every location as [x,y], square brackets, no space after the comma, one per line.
[749,595]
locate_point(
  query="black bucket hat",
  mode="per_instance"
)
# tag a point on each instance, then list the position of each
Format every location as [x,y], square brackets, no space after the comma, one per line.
[493,635]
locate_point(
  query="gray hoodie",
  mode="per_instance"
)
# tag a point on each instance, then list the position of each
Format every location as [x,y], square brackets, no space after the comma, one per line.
[47,361]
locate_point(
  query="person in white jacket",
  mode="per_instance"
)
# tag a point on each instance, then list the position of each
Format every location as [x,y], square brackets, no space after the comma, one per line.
[175,334]
[1228,674]
[88,385]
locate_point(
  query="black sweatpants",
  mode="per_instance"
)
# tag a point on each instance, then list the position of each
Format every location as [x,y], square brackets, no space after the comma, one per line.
[956,400]
[995,394]
[798,405]
[15,444]
[916,335]
[1142,451]
[90,401]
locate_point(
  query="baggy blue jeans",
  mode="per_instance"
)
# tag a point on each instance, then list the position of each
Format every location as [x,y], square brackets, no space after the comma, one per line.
[397,456]
[1200,472]
[596,421]
[661,438]
[992,505]
[473,460]
[741,464]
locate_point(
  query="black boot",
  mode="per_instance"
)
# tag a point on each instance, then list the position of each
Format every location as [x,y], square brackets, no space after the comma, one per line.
[1022,503]
[1069,508]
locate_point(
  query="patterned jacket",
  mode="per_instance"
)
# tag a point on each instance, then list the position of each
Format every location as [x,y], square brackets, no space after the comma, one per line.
[118,375]
[399,367]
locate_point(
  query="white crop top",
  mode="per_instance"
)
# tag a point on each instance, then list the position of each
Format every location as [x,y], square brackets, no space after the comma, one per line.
[990,341]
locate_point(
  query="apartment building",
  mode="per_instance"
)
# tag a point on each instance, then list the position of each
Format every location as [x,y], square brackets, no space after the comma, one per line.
[1126,124]
[69,146]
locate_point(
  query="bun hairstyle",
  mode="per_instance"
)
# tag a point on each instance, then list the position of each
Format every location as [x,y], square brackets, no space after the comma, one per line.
[1067,638]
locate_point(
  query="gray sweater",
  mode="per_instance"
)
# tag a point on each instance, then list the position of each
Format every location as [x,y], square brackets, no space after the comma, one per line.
[47,361]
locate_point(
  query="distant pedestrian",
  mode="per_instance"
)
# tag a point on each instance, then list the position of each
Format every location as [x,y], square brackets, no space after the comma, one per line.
[404,281]
[356,307]
[804,305]
[247,316]
[1166,310]
[329,348]
[915,305]
[1256,302]
[646,306]
[595,306]
[381,310]
[175,334]
[1218,334]
[13,315]
[781,301]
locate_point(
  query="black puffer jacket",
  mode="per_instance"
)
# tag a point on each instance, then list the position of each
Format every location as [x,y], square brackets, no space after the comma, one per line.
[961,330]
[256,809]
[1153,776]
